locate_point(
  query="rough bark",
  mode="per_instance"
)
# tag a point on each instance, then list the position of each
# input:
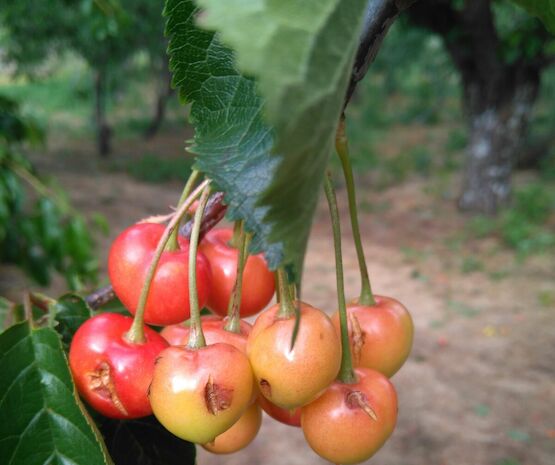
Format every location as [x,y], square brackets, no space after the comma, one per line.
[496,135]
[103,130]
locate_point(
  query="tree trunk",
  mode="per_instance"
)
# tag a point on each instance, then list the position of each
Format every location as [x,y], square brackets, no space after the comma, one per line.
[164,93]
[103,130]
[496,136]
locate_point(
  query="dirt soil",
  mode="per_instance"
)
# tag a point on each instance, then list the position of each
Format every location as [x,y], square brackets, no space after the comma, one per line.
[479,387]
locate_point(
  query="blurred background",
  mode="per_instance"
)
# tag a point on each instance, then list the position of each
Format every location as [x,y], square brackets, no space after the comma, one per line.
[452,134]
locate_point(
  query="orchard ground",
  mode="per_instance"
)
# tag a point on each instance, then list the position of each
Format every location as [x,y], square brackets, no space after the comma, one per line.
[479,387]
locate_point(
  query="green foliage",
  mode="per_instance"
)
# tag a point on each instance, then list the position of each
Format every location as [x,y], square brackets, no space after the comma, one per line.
[155,169]
[275,195]
[47,423]
[524,227]
[38,229]
[544,9]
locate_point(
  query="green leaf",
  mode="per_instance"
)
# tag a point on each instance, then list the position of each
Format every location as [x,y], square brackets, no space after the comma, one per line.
[543,9]
[145,442]
[302,54]
[6,312]
[43,421]
[232,143]
[70,312]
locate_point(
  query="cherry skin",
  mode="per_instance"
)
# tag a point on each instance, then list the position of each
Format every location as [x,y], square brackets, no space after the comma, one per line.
[214,331]
[168,299]
[292,378]
[380,335]
[337,425]
[111,373]
[288,417]
[240,435]
[197,394]
[258,281]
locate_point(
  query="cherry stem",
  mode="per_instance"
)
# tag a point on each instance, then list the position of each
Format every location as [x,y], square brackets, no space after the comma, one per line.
[233,323]
[136,334]
[173,243]
[278,292]
[196,336]
[346,373]
[235,240]
[342,148]
[286,306]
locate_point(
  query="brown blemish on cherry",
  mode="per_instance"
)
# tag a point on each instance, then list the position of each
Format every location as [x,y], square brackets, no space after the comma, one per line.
[217,397]
[357,399]
[358,337]
[101,382]
[266,388]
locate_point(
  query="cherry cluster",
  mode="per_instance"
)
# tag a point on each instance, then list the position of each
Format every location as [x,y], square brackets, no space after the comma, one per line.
[206,379]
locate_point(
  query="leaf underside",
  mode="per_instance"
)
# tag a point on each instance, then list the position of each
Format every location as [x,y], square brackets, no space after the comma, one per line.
[270,155]
[43,421]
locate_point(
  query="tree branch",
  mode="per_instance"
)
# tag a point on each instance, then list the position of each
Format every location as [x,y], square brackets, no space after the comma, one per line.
[213,214]
[380,15]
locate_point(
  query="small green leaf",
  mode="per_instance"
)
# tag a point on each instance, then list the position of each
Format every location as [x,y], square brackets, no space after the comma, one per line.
[543,9]
[145,442]
[70,312]
[43,421]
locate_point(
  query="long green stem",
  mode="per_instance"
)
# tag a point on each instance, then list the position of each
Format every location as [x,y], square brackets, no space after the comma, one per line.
[286,306]
[173,243]
[196,336]
[236,238]
[233,323]
[136,332]
[342,148]
[346,373]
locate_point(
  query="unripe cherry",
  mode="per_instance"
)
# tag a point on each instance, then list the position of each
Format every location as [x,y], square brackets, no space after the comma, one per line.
[197,394]
[348,423]
[240,435]
[380,335]
[294,377]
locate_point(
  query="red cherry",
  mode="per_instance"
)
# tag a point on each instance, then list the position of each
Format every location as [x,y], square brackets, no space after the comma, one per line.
[214,332]
[381,334]
[197,394]
[348,423]
[168,299]
[111,373]
[288,417]
[258,281]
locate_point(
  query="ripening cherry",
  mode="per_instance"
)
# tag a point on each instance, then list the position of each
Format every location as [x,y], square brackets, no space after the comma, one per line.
[111,373]
[258,280]
[168,299]
[197,394]
[285,416]
[292,378]
[380,335]
[214,331]
[240,435]
[348,423]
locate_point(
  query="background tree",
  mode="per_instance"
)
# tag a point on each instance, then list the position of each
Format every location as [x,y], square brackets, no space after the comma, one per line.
[105,33]
[500,53]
